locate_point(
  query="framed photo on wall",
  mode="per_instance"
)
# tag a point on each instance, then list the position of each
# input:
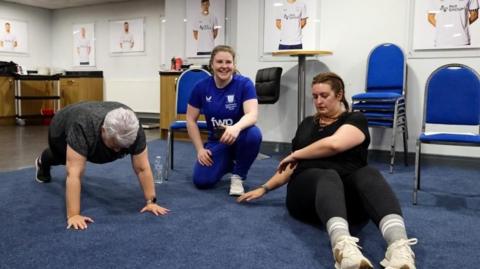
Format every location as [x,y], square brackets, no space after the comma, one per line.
[445,24]
[290,24]
[13,36]
[205,27]
[127,36]
[83,44]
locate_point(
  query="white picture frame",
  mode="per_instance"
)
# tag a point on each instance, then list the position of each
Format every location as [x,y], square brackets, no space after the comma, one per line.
[307,36]
[426,37]
[83,48]
[127,36]
[13,36]
[202,22]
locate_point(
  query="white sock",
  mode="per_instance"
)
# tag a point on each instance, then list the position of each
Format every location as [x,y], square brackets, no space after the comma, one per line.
[393,228]
[235,176]
[337,227]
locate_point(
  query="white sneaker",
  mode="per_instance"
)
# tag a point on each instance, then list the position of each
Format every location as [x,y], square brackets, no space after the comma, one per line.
[236,186]
[399,255]
[348,256]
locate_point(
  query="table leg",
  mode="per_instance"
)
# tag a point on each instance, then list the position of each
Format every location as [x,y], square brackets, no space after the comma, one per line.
[301,88]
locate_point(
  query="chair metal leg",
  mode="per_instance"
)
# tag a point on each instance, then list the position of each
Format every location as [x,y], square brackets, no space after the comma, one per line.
[405,146]
[406,125]
[392,146]
[405,139]
[168,156]
[171,140]
[396,118]
[416,182]
[419,186]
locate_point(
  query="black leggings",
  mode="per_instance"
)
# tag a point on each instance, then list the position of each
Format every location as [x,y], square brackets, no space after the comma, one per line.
[56,153]
[320,194]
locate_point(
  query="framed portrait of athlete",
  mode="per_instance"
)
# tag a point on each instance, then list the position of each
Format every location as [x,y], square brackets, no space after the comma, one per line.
[13,36]
[205,27]
[127,36]
[445,24]
[290,25]
[83,44]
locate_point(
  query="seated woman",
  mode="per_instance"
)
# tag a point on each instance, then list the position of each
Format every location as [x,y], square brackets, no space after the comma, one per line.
[230,105]
[329,180]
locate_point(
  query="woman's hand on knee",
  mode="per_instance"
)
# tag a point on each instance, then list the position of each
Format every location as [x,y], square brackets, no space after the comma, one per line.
[288,162]
[204,157]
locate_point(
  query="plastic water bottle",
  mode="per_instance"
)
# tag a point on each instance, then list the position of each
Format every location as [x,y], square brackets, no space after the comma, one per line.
[159,174]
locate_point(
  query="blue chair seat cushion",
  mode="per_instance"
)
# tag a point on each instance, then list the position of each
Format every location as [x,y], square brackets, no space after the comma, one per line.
[376,96]
[372,115]
[374,106]
[450,138]
[181,124]
[380,123]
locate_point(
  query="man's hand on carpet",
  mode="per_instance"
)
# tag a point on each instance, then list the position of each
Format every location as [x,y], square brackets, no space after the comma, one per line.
[155,209]
[78,222]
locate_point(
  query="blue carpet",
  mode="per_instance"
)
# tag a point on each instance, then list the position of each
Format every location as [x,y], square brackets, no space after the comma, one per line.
[208,229]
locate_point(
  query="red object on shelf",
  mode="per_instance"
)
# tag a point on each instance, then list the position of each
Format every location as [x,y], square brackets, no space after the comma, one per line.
[178,64]
[47,114]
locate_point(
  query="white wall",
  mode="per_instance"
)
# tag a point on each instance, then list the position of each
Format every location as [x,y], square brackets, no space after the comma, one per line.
[361,26]
[130,79]
[174,41]
[39,35]
[350,29]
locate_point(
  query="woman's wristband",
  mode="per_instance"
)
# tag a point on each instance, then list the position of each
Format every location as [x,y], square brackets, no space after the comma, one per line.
[265,188]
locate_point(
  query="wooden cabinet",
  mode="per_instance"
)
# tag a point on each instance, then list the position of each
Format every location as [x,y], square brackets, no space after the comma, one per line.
[7,101]
[77,89]
[168,84]
[36,97]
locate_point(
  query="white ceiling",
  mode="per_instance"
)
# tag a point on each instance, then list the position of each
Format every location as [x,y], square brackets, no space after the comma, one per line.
[58,4]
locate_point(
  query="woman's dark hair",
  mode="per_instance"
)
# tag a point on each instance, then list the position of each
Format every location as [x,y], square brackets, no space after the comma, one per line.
[335,82]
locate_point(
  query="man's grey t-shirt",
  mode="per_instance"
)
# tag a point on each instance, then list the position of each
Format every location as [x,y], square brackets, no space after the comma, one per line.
[80,126]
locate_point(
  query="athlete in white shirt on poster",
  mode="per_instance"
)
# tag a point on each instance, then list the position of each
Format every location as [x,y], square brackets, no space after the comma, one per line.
[205,29]
[9,40]
[290,21]
[451,19]
[126,38]
[83,48]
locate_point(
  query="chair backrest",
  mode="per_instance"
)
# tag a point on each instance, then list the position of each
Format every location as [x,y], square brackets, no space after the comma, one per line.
[386,69]
[185,84]
[267,85]
[452,96]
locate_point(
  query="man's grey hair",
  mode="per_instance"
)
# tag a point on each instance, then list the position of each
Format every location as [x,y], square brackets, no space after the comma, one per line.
[122,125]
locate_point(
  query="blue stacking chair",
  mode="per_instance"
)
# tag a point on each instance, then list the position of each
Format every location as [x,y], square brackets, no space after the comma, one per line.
[383,103]
[185,84]
[452,98]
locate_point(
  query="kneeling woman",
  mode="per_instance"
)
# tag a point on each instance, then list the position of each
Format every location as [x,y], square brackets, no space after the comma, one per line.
[230,105]
[329,180]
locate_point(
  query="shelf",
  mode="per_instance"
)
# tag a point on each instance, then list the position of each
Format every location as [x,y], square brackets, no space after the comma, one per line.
[37,97]
[34,93]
